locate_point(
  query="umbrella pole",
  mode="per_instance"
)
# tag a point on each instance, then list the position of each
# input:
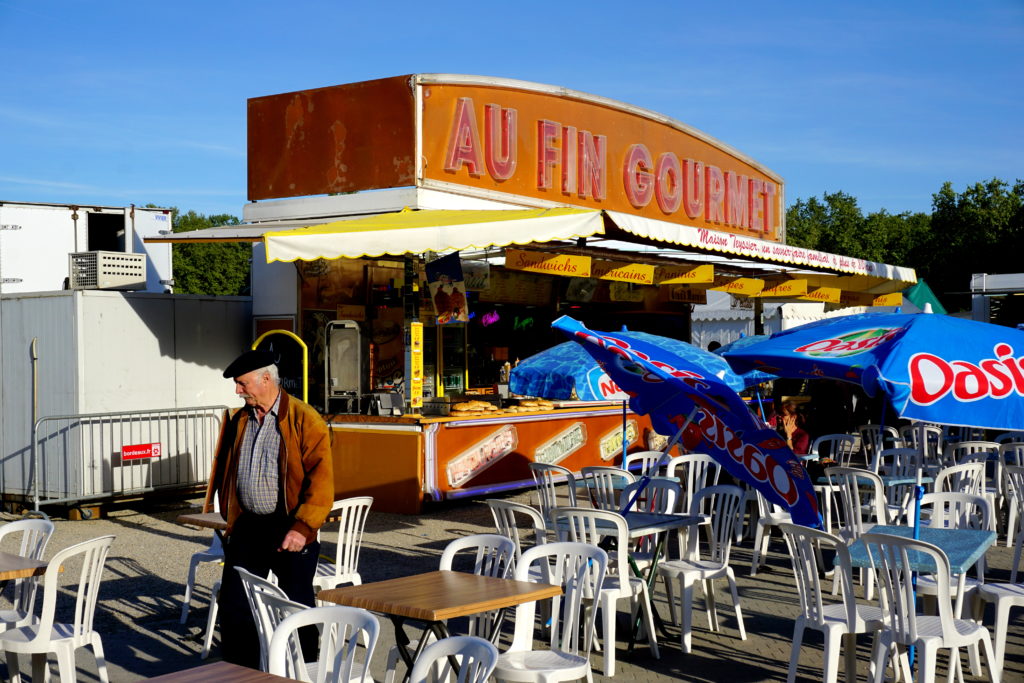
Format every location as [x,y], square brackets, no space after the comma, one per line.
[646,478]
[625,436]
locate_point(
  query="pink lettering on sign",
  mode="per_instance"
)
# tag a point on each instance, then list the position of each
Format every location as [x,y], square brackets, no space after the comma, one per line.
[500,134]
[464,140]
[933,378]
[637,177]
[139,451]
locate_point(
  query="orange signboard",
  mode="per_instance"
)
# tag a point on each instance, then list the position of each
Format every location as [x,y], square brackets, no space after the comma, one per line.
[489,137]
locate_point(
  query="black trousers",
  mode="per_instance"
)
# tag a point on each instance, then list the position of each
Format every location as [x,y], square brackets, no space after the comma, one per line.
[253,545]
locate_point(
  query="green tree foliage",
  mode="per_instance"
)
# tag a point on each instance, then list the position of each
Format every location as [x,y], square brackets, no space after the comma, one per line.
[980,230]
[836,224]
[209,268]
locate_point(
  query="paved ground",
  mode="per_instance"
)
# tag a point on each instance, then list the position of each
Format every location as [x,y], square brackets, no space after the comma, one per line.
[141,599]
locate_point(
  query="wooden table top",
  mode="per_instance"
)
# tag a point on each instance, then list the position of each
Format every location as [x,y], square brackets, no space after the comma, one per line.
[221,672]
[439,595]
[17,567]
[215,520]
[207,520]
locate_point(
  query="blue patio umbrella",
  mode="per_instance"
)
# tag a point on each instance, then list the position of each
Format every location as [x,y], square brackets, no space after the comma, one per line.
[932,368]
[683,398]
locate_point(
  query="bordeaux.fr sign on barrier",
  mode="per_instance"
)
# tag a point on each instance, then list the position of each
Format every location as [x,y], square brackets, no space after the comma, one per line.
[140,451]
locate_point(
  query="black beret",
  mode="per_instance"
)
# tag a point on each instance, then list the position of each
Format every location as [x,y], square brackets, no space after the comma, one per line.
[249,361]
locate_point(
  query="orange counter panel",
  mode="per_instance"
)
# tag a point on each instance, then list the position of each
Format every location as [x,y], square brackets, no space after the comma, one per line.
[385,464]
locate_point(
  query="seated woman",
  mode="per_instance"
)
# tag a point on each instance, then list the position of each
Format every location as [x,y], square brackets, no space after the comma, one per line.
[790,424]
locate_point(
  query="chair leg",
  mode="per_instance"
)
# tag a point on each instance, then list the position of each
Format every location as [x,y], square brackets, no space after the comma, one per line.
[830,673]
[608,615]
[1001,627]
[759,551]
[190,581]
[926,664]
[794,653]
[686,607]
[1011,525]
[995,665]
[849,641]
[736,603]
[710,605]
[13,667]
[66,664]
[211,621]
[101,659]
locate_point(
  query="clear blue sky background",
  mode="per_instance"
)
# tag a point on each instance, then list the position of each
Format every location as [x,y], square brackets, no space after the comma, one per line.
[118,102]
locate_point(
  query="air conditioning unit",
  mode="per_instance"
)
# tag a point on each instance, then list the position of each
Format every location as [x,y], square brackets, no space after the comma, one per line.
[107,270]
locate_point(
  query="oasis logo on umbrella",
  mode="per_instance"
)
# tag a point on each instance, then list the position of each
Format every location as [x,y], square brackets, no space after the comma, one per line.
[849,344]
[933,378]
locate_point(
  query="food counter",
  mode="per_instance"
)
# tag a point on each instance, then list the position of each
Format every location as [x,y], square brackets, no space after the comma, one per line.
[406,461]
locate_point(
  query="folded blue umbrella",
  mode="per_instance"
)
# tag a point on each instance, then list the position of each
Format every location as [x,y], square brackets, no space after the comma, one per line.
[682,398]
[566,368]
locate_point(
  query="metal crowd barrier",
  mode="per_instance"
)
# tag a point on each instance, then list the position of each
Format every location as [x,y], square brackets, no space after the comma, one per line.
[107,455]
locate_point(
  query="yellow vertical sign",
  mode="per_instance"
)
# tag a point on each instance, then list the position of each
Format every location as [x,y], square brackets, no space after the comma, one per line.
[416,365]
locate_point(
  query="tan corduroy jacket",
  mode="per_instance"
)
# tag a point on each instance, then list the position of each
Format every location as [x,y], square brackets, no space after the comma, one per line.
[307,468]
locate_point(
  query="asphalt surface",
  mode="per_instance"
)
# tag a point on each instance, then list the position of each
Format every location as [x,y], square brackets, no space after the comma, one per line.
[140,603]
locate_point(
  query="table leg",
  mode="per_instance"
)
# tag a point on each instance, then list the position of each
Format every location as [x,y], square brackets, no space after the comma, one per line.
[402,642]
[650,579]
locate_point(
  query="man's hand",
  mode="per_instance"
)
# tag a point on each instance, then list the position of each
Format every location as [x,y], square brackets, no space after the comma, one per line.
[293,542]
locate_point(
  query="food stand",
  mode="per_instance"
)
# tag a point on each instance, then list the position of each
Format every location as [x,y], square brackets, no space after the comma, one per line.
[429,228]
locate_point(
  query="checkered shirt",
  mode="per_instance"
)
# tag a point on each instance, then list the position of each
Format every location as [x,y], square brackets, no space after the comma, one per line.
[258,466]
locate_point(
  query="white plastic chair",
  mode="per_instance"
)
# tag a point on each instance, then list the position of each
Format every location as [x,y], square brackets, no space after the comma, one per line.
[904,463]
[1006,595]
[506,514]
[547,477]
[839,447]
[660,496]
[926,439]
[770,516]
[839,622]
[341,658]
[725,506]
[35,534]
[345,568]
[1011,454]
[1010,437]
[580,569]
[647,461]
[490,555]
[695,471]
[861,503]
[874,438]
[604,484]
[254,585]
[584,525]
[63,639]
[954,511]
[476,657]
[275,610]
[904,626]
[215,553]
[966,478]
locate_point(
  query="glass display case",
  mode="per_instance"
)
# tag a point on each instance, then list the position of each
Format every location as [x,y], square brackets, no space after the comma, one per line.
[451,359]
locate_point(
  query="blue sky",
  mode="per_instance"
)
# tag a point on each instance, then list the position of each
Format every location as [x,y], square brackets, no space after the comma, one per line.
[112,102]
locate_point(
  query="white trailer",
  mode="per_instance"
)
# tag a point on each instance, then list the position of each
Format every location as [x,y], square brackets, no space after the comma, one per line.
[100,378]
[36,240]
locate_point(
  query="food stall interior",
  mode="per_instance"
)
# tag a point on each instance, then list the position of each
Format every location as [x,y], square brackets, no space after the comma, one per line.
[355,316]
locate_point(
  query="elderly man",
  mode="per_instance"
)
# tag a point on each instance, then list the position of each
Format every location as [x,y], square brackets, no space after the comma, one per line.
[275,482]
